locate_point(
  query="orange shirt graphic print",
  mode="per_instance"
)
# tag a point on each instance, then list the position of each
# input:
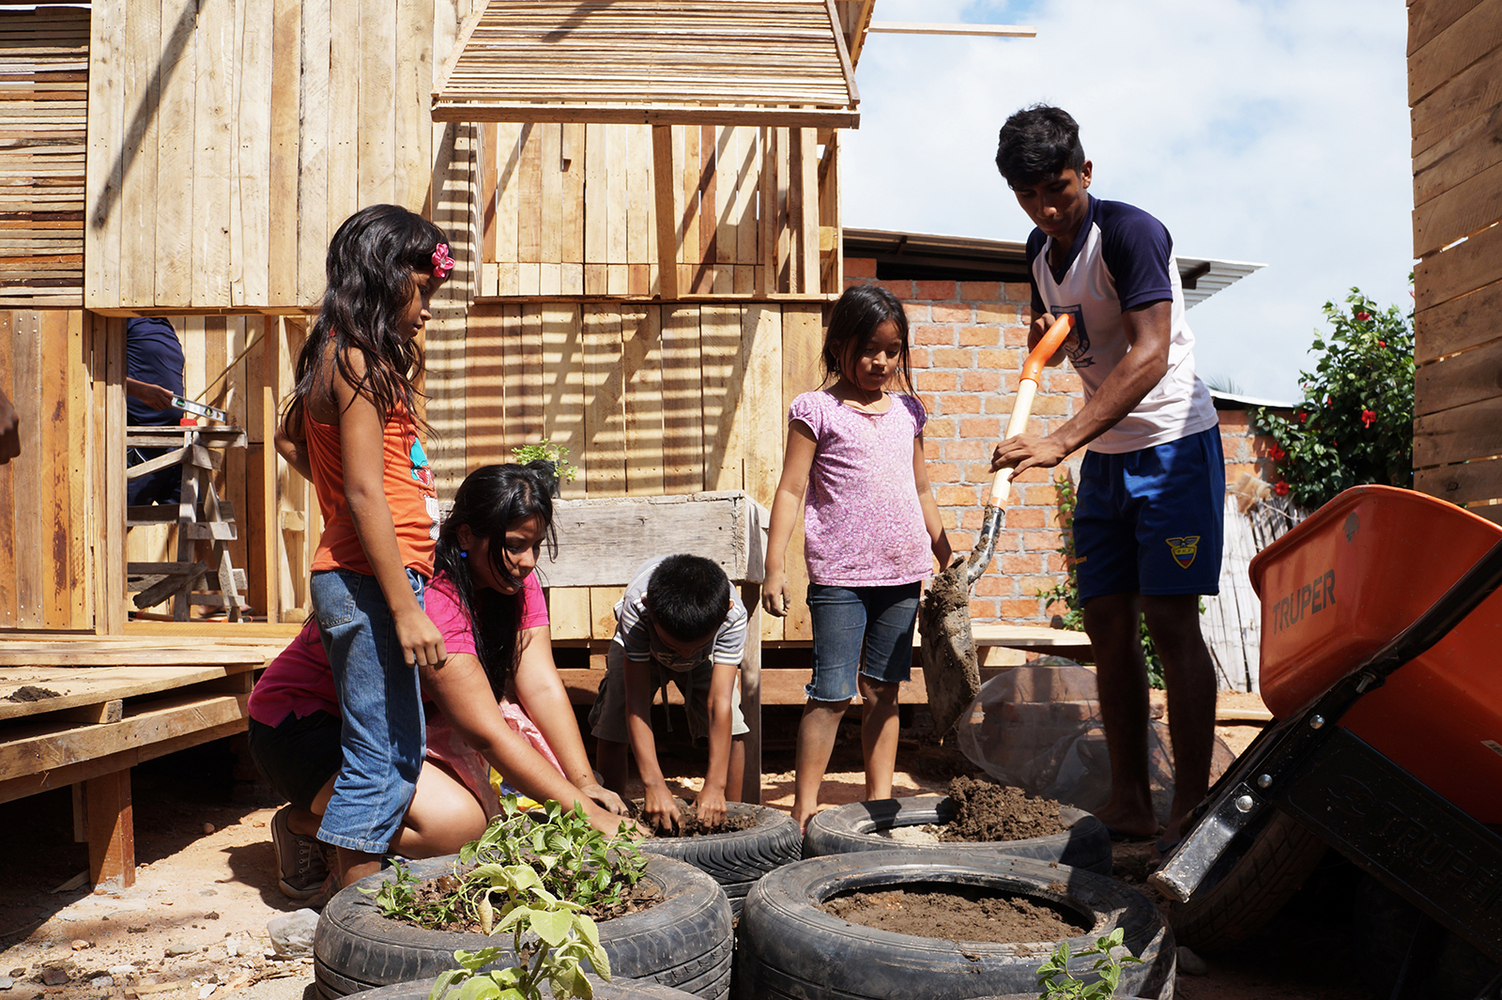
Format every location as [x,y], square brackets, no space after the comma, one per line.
[1184,549]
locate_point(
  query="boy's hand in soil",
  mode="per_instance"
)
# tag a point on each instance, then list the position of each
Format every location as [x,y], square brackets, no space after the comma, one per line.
[709,807]
[660,810]
[605,797]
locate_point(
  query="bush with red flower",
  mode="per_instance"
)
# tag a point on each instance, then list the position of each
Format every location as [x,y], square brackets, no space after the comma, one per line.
[1360,393]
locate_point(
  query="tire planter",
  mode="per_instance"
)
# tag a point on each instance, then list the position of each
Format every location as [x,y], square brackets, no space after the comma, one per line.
[619,988]
[1251,888]
[851,828]
[683,942]
[788,949]
[737,858]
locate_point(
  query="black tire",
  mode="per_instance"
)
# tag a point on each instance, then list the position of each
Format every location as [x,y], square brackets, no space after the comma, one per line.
[619,988]
[736,859]
[1245,891]
[851,828]
[683,942]
[788,948]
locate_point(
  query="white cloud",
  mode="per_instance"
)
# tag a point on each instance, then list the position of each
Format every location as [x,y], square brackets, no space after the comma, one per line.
[1263,130]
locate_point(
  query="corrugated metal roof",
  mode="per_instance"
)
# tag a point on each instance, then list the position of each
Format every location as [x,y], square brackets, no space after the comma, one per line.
[751,62]
[1006,260]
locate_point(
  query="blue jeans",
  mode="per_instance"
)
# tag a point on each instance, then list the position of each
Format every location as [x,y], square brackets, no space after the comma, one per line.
[867,630]
[382,734]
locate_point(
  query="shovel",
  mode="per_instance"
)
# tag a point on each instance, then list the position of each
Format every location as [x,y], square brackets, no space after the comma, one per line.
[951,670]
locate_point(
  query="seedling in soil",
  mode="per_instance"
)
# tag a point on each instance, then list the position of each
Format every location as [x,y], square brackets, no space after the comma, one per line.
[571,860]
[1058,983]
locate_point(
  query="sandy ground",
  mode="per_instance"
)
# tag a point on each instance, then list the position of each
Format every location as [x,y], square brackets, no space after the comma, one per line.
[194,923]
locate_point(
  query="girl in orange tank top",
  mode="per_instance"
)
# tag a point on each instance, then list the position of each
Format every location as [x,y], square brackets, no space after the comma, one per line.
[350,427]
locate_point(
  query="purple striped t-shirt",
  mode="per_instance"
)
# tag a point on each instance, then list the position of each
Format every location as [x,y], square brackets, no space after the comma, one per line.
[862,522]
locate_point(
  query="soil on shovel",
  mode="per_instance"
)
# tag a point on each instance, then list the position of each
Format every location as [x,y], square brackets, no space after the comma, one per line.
[951,670]
[689,824]
[445,889]
[985,811]
[956,913]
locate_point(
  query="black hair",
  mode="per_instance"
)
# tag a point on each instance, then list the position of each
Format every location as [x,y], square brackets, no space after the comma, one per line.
[490,502]
[374,258]
[1037,143]
[688,597]
[853,322]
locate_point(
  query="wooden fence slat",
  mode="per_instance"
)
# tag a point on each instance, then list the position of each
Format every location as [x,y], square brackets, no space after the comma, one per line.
[1465,321]
[1458,434]
[412,137]
[761,354]
[604,433]
[682,401]
[33,466]
[212,129]
[1458,270]
[1427,18]
[109,142]
[172,214]
[722,365]
[344,115]
[1460,43]
[1468,206]
[283,128]
[377,102]
[617,206]
[525,406]
[9,593]
[641,360]
[1465,378]
[484,384]
[77,437]
[1463,97]
[1462,154]
[251,155]
[314,153]
[802,342]
[1478,479]
[640,217]
[53,464]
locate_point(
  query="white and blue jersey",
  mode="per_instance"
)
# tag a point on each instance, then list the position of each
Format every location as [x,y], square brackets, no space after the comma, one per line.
[1122,257]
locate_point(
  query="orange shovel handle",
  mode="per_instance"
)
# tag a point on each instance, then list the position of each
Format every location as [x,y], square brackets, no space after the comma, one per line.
[1033,366]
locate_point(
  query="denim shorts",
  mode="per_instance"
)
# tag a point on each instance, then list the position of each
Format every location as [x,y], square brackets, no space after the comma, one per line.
[607,719]
[382,734]
[866,630]
[1151,521]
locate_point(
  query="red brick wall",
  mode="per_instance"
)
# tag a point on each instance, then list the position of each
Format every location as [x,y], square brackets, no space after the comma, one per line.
[968,340]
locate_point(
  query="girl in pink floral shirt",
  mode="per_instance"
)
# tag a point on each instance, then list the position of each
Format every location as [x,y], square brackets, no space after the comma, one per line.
[871,532]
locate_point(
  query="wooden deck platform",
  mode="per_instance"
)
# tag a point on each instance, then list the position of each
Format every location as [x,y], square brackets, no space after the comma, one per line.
[83,711]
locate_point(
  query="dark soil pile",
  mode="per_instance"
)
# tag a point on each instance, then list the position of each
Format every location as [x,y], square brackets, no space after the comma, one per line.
[986,811]
[689,825]
[951,670]
[954,913]
[445,888]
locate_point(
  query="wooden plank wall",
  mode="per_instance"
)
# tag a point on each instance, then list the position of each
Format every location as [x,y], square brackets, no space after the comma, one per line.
[1455,95]
[228,141]
[48,551]
[649,398]
[44,58]
[570,209]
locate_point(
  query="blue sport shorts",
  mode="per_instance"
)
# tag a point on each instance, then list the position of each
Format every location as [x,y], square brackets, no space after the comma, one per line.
[1150,521]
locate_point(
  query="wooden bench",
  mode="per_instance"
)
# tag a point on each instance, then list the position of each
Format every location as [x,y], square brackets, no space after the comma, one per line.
[84,711]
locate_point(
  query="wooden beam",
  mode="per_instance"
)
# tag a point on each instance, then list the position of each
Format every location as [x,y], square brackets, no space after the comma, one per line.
[111,829]
[665,205]
[635,114]
[932,28]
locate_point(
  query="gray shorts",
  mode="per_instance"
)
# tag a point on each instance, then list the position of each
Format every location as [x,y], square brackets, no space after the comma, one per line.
[607,719]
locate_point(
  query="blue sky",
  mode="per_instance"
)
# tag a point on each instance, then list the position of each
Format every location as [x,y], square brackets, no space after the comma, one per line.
[1257,130]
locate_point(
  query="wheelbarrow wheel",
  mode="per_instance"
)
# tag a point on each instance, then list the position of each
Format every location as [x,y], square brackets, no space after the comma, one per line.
[1255,887]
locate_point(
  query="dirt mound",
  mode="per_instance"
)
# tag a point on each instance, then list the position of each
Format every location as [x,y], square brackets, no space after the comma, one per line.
[986,811]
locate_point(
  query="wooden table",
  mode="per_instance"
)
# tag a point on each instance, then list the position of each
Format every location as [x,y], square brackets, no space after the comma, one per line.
[84,711]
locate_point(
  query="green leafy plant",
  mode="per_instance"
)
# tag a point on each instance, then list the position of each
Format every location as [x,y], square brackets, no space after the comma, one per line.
[1067,590]
[546,451]
[571,860]
[1057,983]
[550,938]
[1355,423]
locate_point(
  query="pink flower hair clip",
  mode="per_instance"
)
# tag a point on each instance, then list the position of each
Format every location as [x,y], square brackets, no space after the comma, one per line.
[442,262]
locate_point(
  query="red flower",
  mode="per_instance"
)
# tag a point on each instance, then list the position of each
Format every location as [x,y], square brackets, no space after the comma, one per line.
[1302,416]
[1363,317]
[1280,488]
[1381,343]
[1276,454]
[1368,417]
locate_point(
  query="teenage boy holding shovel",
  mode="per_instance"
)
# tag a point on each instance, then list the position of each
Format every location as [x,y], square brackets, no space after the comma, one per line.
[1147,525]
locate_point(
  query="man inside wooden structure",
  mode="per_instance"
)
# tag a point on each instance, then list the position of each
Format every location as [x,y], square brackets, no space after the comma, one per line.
[153,375]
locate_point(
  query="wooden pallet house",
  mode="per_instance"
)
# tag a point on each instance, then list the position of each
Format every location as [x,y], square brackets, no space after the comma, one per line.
[645,253]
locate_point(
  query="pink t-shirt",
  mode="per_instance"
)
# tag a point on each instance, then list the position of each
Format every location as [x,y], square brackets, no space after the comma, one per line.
[862,520]
[300,682]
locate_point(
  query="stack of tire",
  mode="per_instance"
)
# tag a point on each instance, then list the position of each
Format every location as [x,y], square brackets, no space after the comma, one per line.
[682,942]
